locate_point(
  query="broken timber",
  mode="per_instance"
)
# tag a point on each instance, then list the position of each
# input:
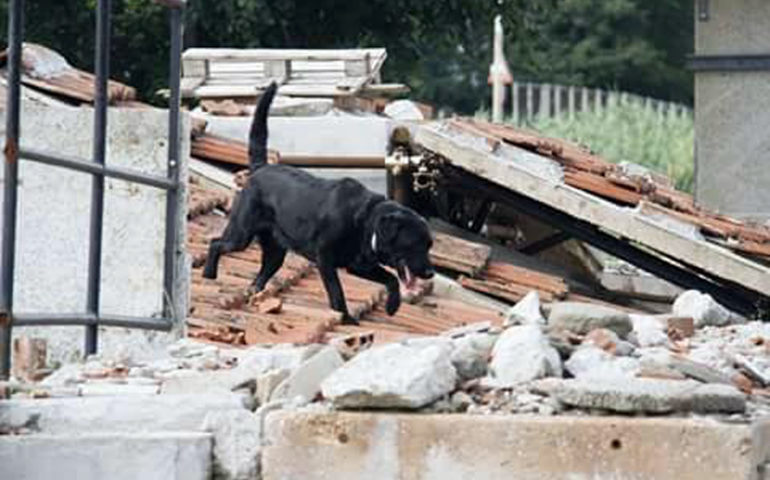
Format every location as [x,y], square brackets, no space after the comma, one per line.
[537,185]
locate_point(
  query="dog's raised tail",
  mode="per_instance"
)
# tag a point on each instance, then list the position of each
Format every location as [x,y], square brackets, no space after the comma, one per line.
[258,132]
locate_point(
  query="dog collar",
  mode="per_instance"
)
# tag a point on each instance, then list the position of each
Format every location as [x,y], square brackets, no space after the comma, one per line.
[374,242]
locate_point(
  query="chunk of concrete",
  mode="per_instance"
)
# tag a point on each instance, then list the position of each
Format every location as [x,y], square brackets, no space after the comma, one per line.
[388,446]
[702,308]
[267,382]
[648,330]
[526,311]
[98,456]
[304,383]
[237,443]
[393,376]
[470,355]
[118,414]
[647,395]
[523,353]
[593,362]
[697,371]
[403,110]
[581,318]
[256,361]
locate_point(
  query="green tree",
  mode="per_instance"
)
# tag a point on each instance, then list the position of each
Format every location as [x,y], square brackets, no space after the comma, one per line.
[441,48]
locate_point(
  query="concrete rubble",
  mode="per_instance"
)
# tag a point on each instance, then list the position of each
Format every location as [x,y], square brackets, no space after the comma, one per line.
[399,375]
[207,397]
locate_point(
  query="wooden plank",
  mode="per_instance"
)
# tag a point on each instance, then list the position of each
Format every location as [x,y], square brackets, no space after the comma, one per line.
[502,168]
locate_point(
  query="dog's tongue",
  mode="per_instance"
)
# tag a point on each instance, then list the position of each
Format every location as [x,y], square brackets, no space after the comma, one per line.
[409,280]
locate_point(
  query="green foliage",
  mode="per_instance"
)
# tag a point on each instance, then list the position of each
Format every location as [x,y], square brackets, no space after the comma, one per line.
[441,48]
[631,132]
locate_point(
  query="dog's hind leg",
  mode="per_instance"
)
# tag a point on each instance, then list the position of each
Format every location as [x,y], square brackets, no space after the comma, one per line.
[273,255]
[380,275]
[333,288]
[234,239]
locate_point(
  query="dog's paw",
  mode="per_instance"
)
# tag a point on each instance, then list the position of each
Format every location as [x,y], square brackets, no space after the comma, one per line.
[394,301]
[348,320]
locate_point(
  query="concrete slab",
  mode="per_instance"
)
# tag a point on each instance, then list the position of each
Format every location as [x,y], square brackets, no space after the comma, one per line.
[381,446]
[117,414]
[53,225]
[324,136]
[146,456]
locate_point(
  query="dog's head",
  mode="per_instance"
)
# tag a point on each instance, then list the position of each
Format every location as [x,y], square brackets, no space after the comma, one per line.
[403,241]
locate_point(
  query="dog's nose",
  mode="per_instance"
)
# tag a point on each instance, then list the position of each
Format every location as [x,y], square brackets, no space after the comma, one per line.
[429,274]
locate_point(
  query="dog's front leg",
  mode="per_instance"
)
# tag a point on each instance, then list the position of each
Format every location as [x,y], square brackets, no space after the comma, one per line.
[333,288]
[378,274]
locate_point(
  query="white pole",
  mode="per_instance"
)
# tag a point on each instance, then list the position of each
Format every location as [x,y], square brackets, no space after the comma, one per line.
[499,75]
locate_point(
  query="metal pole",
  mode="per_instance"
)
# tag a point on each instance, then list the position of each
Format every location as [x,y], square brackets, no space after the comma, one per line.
[15,33]
[169,267]
[97,188]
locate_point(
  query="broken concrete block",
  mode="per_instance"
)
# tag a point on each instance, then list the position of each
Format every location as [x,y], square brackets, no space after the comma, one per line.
[304,382]
[698,371]
[653,369]
[648,330]
[267,382]
[403,110]
[581,318]
[523,353]
[592,362]
[129,413]
[703,309]
[237,444]
[300,107]
[526,311]
[393,376]
[648,395]
[470,355]
[97,456]
[255,361]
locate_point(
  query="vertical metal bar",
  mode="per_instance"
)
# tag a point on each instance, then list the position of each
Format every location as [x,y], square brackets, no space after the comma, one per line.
[99,152]
[15,33]
[174,75]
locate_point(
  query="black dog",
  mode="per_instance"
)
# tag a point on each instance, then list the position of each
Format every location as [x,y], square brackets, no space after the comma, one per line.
[334,223]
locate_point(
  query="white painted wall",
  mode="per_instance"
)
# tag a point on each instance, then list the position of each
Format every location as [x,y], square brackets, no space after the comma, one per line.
[53,221]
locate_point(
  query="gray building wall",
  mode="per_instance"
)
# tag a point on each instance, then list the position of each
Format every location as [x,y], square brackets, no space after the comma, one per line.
[732,111]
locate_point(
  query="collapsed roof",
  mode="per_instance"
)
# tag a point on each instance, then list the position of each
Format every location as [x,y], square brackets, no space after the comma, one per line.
[636,217]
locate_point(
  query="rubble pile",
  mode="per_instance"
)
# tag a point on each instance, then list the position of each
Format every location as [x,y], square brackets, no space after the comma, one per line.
[569,358]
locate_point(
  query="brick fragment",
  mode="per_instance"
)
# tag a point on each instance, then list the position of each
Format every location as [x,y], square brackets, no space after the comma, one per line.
[270,305]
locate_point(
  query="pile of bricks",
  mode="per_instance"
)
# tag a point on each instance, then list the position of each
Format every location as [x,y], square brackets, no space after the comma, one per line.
[591,173]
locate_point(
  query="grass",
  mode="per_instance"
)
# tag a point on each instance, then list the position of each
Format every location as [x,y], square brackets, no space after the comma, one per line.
[628,131]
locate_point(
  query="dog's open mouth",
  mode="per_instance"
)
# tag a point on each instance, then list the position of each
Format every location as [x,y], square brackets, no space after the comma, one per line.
[405,275]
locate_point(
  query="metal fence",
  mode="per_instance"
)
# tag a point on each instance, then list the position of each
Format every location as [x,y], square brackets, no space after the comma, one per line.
[531,100]
[99,169]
